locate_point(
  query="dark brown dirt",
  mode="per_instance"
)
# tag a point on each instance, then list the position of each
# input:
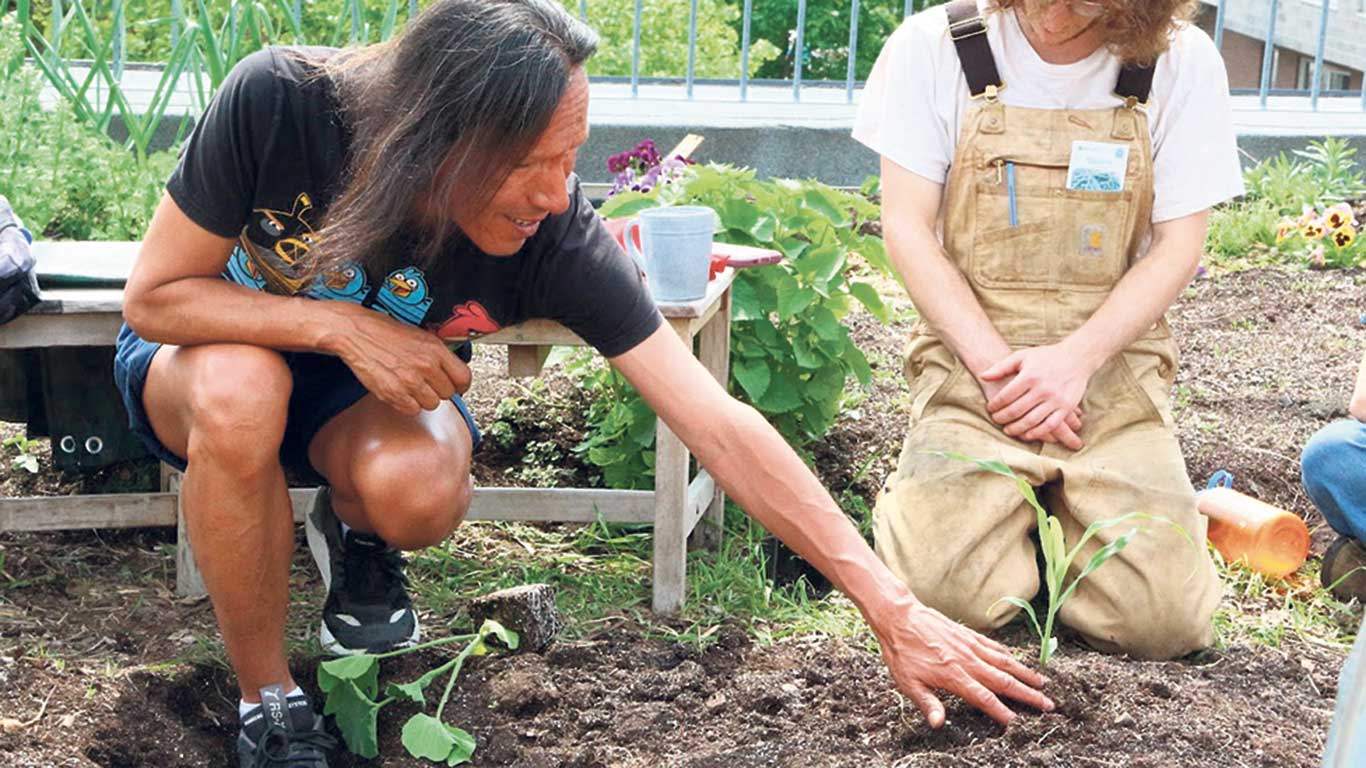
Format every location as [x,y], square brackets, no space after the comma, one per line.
[618,699]
[88,624]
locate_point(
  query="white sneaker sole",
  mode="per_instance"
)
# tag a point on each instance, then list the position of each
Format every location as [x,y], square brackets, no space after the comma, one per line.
[331,645]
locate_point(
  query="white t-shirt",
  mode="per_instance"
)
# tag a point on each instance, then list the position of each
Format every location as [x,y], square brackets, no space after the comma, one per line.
[914,102]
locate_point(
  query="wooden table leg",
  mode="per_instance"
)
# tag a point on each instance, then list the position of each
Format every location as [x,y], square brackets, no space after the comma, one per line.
[671,497]
[188,581]
[713,349]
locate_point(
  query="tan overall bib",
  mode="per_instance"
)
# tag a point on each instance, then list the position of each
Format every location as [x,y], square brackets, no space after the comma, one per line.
[959,536]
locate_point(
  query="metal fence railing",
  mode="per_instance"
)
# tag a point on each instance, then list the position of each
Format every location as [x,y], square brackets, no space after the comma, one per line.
[350,26]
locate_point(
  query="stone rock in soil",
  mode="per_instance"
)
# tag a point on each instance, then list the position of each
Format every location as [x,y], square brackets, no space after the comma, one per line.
[528,610]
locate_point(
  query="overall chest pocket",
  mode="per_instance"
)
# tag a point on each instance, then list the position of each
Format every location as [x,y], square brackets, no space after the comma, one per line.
[1006,254]
[1094,230]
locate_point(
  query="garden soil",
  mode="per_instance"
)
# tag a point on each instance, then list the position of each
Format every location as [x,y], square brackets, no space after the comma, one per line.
[100,664]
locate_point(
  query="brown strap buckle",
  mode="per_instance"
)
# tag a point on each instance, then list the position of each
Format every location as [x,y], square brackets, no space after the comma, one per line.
[975,25]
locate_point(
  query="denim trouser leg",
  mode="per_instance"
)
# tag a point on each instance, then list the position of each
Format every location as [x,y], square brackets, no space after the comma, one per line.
[1334,468]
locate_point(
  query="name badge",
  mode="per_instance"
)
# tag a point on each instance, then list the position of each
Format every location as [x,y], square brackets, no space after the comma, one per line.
[1097,166]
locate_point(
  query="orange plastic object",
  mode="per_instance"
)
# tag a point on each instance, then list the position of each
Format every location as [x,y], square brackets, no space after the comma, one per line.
[1267,539]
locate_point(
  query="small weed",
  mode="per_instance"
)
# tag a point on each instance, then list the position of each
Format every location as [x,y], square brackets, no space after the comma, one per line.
[26,451]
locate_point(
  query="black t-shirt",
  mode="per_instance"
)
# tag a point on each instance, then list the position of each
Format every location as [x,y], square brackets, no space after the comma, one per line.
[267,158]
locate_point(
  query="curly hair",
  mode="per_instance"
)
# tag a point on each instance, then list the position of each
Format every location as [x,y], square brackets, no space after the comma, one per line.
[1137,31]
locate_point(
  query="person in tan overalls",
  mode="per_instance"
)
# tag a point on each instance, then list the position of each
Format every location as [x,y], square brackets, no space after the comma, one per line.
[1042,344]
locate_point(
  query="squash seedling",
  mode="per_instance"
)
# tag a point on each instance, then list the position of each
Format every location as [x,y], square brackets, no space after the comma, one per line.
[351,685]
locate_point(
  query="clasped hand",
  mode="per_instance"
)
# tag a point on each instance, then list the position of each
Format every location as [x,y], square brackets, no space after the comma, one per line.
[409,369]
[1035,394]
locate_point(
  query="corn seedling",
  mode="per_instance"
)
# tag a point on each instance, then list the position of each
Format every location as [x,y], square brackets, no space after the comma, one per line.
[351,685]
[1057,558]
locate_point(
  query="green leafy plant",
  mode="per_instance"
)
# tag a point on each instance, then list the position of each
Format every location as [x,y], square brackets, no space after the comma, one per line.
[1274,224]
[351,685]
[791,352]
[1057,558]
[63,177]
[26,451]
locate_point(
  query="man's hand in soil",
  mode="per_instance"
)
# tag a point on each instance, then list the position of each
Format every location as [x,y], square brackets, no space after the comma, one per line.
[1043,397]
[409,369]
[926,651]
[1069,429]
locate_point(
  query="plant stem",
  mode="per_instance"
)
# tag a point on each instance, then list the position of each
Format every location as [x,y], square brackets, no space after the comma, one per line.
[458,662]
[428,644]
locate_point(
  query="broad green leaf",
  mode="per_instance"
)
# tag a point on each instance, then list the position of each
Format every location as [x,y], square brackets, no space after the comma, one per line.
[426,737]
[362,669]
[793,298]
[464,746]
[868,296]
[507,637]
[745,302]
[766,333]
[825,325]
[738,214]
[858,364]
[781,396]
[827,205]
[764,229]
[805,355]
[626,204]
[355,714]
[754,376]
[821,263]
[792,247]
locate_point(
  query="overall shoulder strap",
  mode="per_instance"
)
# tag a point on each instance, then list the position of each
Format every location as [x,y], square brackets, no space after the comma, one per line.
[968,30]
[1135,83]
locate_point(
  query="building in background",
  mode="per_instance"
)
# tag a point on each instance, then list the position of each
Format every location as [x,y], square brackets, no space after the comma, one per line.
[1297,39]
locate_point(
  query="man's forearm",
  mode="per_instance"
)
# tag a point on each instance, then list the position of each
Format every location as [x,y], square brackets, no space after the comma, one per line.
[206,310]
[944,298]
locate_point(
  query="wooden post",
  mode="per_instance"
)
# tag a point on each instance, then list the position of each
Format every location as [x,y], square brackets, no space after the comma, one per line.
[713,349]
[671,496]
[188,581]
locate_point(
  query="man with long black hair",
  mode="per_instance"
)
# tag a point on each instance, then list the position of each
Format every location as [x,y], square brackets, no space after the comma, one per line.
[364,205]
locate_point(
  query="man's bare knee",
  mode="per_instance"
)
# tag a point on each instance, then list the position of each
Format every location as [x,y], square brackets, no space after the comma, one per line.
[239,405]
[421,514]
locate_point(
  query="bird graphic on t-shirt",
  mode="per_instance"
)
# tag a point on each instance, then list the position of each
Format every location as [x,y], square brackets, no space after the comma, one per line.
[348,283]
[467,320]
[404,296]
[277,242]
[242,270]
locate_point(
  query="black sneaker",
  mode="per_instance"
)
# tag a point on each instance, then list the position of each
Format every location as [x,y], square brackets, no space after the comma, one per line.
[367,608]
[283,732]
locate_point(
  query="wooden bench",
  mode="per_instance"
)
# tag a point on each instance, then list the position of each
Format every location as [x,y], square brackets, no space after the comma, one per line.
[679,508]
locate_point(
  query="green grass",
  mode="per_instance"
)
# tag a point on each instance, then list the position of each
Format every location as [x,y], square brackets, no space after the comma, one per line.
[603,571]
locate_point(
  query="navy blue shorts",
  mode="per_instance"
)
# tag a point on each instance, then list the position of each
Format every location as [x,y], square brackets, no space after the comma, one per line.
[323,387]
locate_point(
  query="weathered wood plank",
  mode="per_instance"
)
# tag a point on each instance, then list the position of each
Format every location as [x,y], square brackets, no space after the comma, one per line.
[61,330]
[700,492]
[65,513]
[527,361]
[143,510]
